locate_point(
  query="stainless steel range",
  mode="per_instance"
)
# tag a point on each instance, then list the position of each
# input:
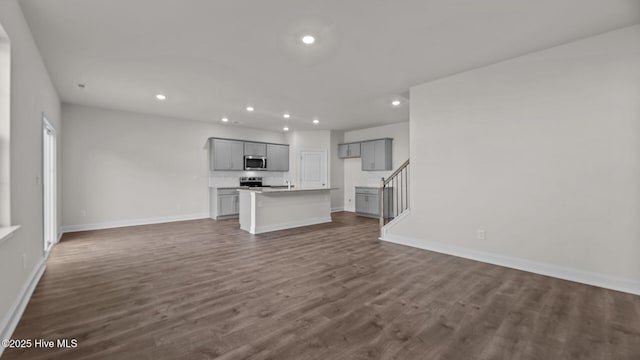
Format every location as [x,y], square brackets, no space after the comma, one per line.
[253,181]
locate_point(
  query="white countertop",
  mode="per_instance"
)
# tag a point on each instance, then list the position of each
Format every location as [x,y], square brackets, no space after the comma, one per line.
[267,190]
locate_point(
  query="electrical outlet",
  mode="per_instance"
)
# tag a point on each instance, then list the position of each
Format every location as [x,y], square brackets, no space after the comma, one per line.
[481,234]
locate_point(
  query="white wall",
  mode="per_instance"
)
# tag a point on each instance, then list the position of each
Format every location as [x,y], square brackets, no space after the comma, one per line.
[542,152]
[306,140]
[32,93]
[319,140]
[122,167]
[353,174]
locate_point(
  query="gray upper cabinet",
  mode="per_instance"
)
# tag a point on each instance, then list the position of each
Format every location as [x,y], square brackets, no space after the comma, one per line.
[376,155]
[277,157]
[226,154]
[351,150]
[354,149]
[343,151]
[255,149]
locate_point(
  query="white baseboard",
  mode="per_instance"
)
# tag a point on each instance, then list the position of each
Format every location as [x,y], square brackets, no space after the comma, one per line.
[596,279]
[135,222]
[293,224]
[11,319]
[337,209]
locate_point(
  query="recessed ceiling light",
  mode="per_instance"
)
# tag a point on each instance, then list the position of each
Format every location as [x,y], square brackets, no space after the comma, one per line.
[286,128]
[286,116]
[308,39]
[225,119]
[395,103]
[161,97]
[250,108]
[316,121]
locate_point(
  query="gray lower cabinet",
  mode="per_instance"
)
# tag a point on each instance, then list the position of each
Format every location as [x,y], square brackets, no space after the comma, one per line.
[255,149]
[351,150]
[277,157]
[368,202]
[226,154]
[362,204]
[228,203]
[376,155]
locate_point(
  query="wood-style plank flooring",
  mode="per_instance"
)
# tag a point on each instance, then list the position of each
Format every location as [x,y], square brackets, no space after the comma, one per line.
[204,289]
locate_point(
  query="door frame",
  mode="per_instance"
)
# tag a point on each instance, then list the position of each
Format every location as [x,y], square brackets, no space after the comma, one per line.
[49,185]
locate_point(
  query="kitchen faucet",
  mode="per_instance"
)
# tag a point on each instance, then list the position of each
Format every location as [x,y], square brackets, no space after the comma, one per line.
[288,184]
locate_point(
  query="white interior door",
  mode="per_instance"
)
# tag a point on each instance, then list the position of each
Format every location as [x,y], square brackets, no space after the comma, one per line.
[313,169]
[49,184]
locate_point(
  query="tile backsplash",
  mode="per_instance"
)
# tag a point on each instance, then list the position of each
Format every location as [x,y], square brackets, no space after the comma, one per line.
[231,178]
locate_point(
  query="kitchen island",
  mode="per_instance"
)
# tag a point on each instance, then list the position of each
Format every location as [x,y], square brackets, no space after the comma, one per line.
[264,209]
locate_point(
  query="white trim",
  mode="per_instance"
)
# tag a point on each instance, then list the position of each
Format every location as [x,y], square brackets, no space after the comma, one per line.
[393,222]
[586,277]
[289,225]
[6,233]
[11,319]
[337,209]
[135,222]
[49,184]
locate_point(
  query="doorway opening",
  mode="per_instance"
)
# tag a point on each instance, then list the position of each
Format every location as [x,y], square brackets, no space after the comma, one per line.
[49,184]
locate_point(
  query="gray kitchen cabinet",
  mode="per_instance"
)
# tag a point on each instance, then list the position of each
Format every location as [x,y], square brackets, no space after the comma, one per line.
[351,150]
[255,149]
[362,204]
[376,155]
[343,151]
[228,203]
[354,150]
[226,154]
[277,157]
[368,202]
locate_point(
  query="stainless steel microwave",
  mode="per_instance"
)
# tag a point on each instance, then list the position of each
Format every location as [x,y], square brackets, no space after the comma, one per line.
[255,162]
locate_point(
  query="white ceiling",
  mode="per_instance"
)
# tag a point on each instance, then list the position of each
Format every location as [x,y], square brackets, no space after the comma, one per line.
[213,58]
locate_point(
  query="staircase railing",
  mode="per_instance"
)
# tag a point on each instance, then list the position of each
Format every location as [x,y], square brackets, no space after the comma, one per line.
[394,194]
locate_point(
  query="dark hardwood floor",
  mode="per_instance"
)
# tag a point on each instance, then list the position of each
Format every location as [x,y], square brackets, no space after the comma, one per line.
[204,289]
